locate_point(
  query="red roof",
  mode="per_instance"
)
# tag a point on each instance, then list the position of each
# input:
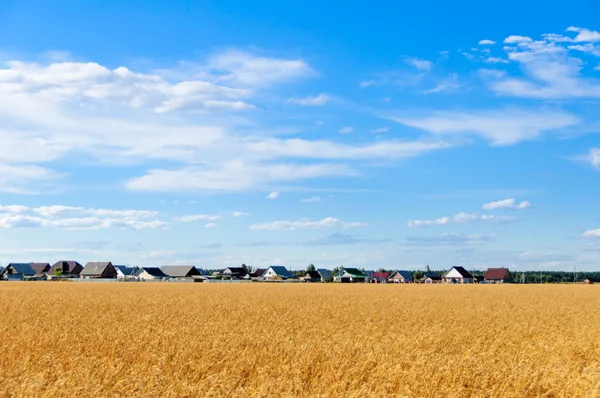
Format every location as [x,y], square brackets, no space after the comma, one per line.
[497,273]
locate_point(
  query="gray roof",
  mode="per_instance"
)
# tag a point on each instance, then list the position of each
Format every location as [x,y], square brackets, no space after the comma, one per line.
[20,268]
[95,268]
[180,271]
[325,273]
[280,270]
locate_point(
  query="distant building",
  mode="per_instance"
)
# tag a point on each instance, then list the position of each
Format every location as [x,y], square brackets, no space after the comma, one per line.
[41,269]
[350,275]
[587,282]
[379,277]
[257,274]
[181,271]
[400,276]
[233,273]
[277,272]
[104,270]
[151,273]
[67,268]
[497,275]
[431,279]
[458,275]
[325,275]
[125,272]
[19,272]
[312,276]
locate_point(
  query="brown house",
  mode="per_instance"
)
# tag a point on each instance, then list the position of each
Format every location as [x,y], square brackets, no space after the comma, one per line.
[497,275]
[68,268]
[99,270]
[41,269]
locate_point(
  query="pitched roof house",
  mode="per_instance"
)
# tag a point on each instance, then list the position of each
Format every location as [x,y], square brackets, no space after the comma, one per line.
[400,276]
[40,268]
[124,271]
[379,277]
[151,273]
[431,279]
[19,271]
[101,269]
[312,276]
[275,272]
[457,275]
[257,273]
[233,273]
[180,271]
[71,268]
[497,275]
[350,275]
[325,275]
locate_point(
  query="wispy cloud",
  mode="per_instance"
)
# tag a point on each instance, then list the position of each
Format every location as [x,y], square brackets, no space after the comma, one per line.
[458,219]
[328,222]
[342,239]
[311,199]
[506,204]
[449,239]
[318,100]
[198,217]
[591,158]
[593,233]
[273,195]
[346,130]
[380,130]
[420,64]
[486,42]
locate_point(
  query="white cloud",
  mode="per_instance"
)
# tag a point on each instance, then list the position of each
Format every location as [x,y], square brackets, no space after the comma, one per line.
[500,127]
[450,84]
[584,35]
[495,60]
[458,219]
[593,233]
[318,100]
[273,195]
[380,130]
[312,199]
[239,214]
[592,158]
[507,204]
[70,217]
[198,217]
[486,42]
[420,64]
[346,130]
[517,39]
[587,48]
[210,225]
[329,222]
[26,179]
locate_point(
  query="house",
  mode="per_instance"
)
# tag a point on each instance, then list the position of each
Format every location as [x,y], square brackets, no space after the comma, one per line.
[431,279]
[66,268]
[277,272]
[103,269]
[180,271]
[233,273]
[312,276]
[19,271]
[457,275]
[151,273]
[497,275]
[125,272]
[379,277]
[41,269]
[587,282]
[350,275]
[400,276]
[257,274]
[325,275]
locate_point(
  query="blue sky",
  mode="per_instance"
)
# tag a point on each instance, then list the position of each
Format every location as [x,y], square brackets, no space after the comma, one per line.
[362,134]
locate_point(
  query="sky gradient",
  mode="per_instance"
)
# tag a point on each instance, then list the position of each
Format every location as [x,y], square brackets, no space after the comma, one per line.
[361,134]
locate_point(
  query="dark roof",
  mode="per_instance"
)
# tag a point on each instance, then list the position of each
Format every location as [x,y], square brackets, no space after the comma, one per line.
[463,272]
[68,267]
[127,271]
[40,268]
[20,268]
[312,275]
[258,272]
[355,272]
[155,271]
[406,275]
[280,270]
[433,277]
[240,271]
[180,271]
[497,273]
[97,268]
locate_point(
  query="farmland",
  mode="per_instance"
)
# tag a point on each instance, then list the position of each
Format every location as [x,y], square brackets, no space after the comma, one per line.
[158,339]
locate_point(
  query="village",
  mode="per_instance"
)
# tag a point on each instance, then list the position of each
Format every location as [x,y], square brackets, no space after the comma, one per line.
[107,272]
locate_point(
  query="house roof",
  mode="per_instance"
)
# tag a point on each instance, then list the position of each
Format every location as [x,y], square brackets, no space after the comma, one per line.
[180,271]
[406,275]
[325,273]
[95,268]
[463,272]
[258,272]
[21,268]
[235,271]
[68,267]
[312,275]
[40,268]
[127,271]
[355,272]
[432,277]
[380,276]
[281,271]
[155,272]
[497,273]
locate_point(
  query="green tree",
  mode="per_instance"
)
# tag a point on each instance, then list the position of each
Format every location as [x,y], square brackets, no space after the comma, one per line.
[58,271]
[310,268]
[418,275]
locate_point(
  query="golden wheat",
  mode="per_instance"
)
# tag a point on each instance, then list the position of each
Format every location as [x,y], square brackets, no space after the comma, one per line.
[158,339]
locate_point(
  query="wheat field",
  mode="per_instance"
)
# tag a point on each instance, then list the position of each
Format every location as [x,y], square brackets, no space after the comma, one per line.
[305,340]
